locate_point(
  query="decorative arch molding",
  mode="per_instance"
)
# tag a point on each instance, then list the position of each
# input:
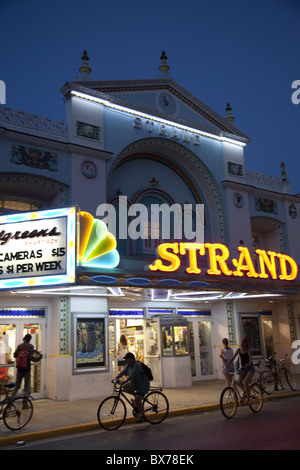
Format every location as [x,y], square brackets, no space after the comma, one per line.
[184,163]
[139,195]
[27,186]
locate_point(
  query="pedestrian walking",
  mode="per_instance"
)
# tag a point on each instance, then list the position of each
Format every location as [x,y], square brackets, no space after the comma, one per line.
[226,353]
[23,359]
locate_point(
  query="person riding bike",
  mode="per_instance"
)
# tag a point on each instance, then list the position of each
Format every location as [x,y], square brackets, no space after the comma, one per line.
[137,383]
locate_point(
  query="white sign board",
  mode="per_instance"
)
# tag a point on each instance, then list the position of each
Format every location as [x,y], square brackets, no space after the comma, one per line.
[38,248]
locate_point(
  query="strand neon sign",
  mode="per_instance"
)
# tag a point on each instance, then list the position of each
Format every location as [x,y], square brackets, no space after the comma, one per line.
[276,265]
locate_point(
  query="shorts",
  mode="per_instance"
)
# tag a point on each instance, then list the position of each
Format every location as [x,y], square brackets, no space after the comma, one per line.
[228,369]
[247,369]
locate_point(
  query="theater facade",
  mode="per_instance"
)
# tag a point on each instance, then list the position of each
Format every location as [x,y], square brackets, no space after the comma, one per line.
[138,216]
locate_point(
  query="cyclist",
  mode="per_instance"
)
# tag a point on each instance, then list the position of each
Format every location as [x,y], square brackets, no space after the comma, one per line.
[137,383]
[246,370]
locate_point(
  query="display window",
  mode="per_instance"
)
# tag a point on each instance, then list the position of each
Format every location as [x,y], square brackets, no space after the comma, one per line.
[174,340]
[257,328]
[162,335]
[134,334]
[90,344]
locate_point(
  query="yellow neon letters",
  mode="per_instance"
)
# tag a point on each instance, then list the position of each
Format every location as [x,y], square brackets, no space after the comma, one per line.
[220,259]
[164,254]
[269,263]
[244,256]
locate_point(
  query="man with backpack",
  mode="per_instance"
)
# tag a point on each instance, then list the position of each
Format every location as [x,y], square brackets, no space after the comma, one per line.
[137,382]
[23,355]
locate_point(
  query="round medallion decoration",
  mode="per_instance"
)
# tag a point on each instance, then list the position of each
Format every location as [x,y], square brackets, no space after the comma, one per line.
[238,200]
[166,103]
[88,169]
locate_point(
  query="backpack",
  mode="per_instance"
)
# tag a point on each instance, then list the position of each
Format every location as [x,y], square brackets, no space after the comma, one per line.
[22,362]
[147,371]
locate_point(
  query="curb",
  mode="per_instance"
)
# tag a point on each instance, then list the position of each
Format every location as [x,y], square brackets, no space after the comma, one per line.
[92,426]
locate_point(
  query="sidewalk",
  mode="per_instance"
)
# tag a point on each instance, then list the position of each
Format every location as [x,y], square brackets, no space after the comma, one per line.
[56,418]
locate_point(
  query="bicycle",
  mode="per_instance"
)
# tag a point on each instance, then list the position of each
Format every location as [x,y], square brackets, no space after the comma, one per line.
[234,395]
[17,411]
[271,378]
[260,368]
[112,410]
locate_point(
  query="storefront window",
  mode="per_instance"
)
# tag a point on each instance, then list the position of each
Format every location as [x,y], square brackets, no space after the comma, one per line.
[250,329]
[174,340]
[7,349]
[167,340]
[90,343]
[152,340]
[133,331]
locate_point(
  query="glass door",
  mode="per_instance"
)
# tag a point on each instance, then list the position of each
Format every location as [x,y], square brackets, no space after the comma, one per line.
[35,329]
[152,351]
[12,332]
[7,349]
[200,337]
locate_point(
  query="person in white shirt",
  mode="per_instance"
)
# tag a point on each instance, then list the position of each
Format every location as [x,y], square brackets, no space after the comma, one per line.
[122,350]
[226,354]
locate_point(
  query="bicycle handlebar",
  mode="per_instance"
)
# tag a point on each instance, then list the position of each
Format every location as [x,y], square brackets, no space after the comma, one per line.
[117,384]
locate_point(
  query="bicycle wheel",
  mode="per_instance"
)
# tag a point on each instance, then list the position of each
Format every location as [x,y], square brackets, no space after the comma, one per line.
[156,407]
[290,380]
[111,413]
[18,413]
[228,402]
[267,382]
[256,397]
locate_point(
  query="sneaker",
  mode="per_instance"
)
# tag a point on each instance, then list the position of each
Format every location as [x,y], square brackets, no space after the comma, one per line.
[142,419]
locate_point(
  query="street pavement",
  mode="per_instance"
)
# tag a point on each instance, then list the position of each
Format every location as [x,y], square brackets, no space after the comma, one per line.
[57,418]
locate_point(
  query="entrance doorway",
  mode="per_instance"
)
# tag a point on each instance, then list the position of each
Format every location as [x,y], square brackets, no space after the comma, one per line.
[143,340]
[200,339]
[12,332]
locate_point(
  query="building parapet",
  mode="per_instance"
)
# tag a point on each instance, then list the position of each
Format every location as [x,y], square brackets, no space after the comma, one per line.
[32,124]
[259,180]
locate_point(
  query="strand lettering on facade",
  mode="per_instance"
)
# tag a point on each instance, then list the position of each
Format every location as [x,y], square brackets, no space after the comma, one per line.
[164,130]
[269,262]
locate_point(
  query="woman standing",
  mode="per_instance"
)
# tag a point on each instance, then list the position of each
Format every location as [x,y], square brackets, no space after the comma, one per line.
[246,370]
[226,353]
[122,349]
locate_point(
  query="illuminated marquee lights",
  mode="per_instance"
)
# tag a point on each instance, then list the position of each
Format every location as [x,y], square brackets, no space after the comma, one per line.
[218,261]
[38,248]
[97,246]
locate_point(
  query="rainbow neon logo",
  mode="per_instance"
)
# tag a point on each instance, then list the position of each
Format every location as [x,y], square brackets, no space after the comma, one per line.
[97,246]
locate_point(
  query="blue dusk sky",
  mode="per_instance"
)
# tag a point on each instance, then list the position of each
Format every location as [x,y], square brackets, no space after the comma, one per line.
[245,52]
